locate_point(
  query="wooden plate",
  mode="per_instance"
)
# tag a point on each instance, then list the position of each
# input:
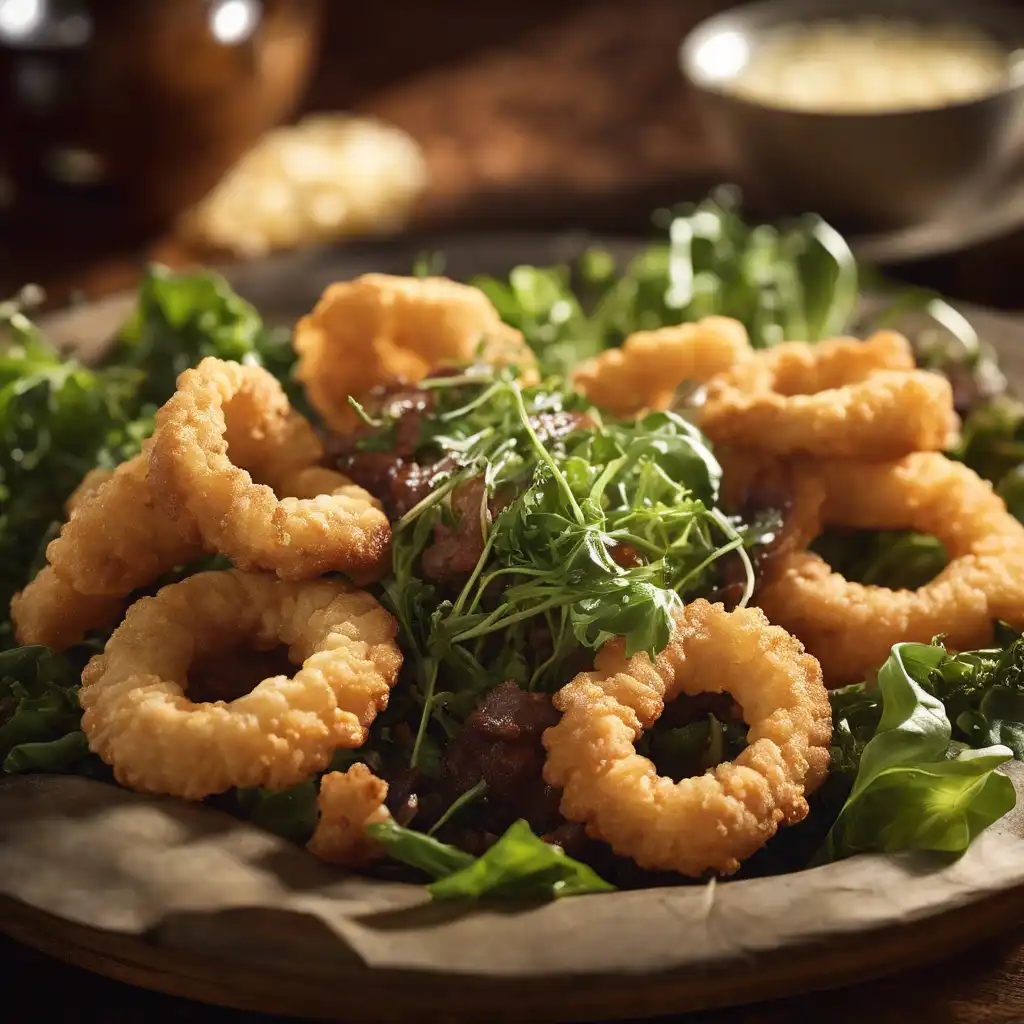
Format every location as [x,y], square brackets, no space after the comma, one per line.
[189,901]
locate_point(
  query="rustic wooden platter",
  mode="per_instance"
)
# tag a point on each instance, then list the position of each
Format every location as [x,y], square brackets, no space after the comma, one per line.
[189,901]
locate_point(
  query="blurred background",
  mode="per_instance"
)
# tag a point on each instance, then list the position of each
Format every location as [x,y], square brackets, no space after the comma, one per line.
[225,129]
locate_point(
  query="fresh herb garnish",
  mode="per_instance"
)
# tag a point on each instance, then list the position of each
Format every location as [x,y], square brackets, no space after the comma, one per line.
[550,577]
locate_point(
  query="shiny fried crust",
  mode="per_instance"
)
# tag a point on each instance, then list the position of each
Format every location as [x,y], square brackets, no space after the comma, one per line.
[139,720]
[716,820]
[116,541]
[835,399]
[379,329]
[225,418]
[850,627]
[347,803]
[651,365]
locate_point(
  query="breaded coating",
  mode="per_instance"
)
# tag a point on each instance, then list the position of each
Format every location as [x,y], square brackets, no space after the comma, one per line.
[835,399]
[116,541]
[50,612]
[140,721]
[219,422]
[378,329]
[646,371]
[712,821]
[349,801]
[851,627]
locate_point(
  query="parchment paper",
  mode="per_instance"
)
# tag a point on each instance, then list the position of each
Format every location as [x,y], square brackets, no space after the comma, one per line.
[196,879]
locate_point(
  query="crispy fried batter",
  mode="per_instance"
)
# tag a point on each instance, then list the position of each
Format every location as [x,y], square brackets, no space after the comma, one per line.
[139,720]
[195,469]
[834,399]
[850,627]
[717,819]
[115,542]
[118,539]
[651,365]
[347,803]
[50,612]
[379,329]
[89,484]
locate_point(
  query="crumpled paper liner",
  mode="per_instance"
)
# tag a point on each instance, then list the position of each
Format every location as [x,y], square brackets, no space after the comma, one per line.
[184,875]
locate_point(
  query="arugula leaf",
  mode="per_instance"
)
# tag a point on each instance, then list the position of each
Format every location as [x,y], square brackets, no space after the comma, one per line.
[907,793]
[418,850]
[519,865]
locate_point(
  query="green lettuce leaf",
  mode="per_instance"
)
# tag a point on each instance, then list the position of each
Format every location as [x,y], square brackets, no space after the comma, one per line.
[908,792]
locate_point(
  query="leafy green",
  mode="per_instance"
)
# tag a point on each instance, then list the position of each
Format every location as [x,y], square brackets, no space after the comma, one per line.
[289,813]
[39,711]
[883,558]
[519,865]
[59,418]
[180,319]
[797,281]
[693,748]
[570,504]
[908,792]
[420,851]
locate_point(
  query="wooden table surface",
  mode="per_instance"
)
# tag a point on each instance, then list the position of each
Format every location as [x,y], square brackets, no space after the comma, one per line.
[564,114]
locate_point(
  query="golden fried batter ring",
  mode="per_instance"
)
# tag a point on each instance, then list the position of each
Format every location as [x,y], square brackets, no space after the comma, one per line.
[715,820]
[851,627]
[646,371]
[116,541]
[139,720]
[379,329]
[220,419]
[834,399]
[347,803]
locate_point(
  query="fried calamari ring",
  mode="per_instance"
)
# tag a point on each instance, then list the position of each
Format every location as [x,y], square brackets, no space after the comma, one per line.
[379,329]
[118,539]
[717,819]
[834,399]
[50,612]
[851,627]
[115,541]
[347,803]
[195,467]
[139,720]
[646,371]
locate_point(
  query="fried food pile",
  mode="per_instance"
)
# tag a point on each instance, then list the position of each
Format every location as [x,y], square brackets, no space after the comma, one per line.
[850,432]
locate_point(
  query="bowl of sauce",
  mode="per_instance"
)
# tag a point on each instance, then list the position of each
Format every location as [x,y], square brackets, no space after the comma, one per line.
[875,113]
[137,107]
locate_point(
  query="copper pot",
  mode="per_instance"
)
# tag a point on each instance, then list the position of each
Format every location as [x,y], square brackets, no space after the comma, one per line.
[141,105]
